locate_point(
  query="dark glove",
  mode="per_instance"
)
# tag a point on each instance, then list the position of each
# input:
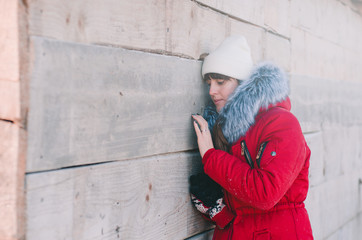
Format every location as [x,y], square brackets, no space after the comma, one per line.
[205,189]
[207,197]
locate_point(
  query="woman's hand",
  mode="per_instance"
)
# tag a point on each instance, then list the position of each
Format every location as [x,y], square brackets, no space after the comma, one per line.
[204,139]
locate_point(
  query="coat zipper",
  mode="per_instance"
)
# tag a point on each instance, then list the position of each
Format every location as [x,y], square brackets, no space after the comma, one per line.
[260,153]
[245,151]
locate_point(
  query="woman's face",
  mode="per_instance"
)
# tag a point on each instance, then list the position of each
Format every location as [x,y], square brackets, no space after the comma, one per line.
[220,90]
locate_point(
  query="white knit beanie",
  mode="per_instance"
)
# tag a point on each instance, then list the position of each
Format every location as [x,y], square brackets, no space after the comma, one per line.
[231,58]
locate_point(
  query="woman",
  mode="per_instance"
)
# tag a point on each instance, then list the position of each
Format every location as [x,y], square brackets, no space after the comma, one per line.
[253,147]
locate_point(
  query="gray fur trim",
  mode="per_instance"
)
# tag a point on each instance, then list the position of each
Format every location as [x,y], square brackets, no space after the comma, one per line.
[267,84]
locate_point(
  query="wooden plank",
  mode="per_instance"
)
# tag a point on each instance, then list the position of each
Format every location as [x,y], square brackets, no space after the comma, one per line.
[208,29]
[202,236]
[320,50]
[10,182]
[9,58]
[114,23]
[315,57]
[138,199]
[10,100]
[126,23]
[277,50]
[94,104]
[317,163]
[325,102]
[271,15]
[278,17]
[339,162]
[351,230]
[245,10]
[317,18]
[335,202]
[12,142]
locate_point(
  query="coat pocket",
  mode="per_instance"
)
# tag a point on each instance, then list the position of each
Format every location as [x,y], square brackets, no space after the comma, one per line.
[262,235]
[267,152]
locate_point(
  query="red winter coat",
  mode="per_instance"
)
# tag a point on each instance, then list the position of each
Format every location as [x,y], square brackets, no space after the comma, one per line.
[267,195]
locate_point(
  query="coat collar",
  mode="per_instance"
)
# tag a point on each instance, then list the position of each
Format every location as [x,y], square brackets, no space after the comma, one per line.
[266,87]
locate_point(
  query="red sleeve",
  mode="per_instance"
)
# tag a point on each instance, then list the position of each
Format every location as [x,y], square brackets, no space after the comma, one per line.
[281,162]
[222,219]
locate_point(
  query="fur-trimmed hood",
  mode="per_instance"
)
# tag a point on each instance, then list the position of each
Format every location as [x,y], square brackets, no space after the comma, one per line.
[267,85]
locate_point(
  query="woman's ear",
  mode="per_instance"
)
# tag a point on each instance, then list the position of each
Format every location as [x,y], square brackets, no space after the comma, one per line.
[203,56]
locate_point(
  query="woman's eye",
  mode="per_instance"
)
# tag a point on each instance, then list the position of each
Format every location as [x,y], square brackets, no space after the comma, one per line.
[220,82]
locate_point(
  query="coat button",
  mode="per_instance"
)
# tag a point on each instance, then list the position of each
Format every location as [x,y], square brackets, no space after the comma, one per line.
[273,153]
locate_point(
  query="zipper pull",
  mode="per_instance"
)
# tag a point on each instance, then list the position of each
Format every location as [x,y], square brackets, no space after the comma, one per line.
[260,153]
[245,151]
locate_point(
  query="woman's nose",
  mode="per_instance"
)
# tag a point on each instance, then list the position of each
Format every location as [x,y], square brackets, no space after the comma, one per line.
[213,89]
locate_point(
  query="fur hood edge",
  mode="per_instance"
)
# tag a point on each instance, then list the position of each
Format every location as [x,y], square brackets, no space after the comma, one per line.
[266,85]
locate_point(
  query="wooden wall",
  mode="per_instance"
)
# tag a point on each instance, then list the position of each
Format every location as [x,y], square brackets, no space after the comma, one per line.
[112,87]
[13,109]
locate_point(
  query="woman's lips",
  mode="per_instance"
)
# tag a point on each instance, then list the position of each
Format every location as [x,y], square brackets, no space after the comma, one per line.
[217,101]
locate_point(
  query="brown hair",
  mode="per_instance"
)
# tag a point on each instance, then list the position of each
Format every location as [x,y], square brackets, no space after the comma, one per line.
[219,139]
[209,76]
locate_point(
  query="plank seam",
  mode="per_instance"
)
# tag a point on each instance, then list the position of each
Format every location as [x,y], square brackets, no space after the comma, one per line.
[343,225]
[267,29]
[6,120]
[200,233]
[125,47]
[192,151]
[153,51]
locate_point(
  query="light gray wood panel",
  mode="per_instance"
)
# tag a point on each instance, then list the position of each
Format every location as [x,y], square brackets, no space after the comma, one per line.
[320,58]
[202,236]
[10,100]
[9,179]
[318,102]
[182,28]
[243,9]
[136,24]
[9,40]
[333,203]
[272,15]
[334,21]
[136,199]
[94,104]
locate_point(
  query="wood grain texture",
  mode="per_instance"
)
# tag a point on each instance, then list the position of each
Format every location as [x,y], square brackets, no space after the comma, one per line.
[139,199]
[12,135]
[12,175]
[277,50]
[327,39]
[317,164]
[332,204]
[244,10]
[180,28]
[333,21]
[202,236]
[270,15]
[317,102]
[9,57]
[9,140]
[94,104]
[316,57]
[277,17]
[10,100]
[9,61]
[127,23]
